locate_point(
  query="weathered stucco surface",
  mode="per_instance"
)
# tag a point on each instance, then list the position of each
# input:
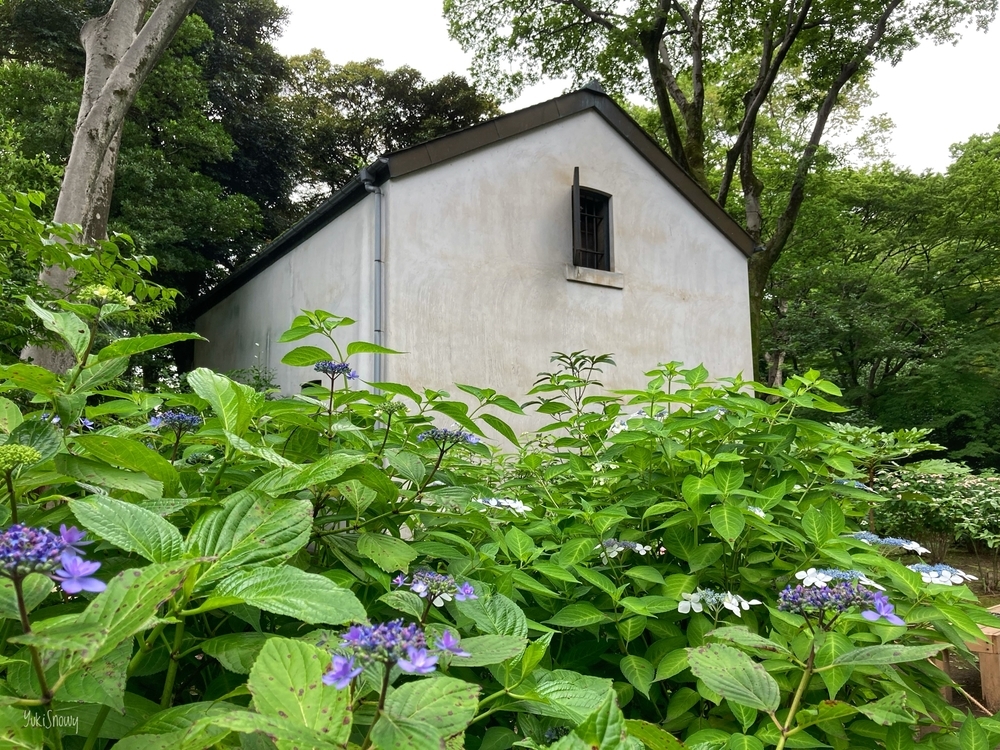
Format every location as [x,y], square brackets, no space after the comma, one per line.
[476,290]
[331,270]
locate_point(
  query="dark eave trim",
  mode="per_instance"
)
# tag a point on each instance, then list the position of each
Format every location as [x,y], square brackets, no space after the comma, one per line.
[461,142]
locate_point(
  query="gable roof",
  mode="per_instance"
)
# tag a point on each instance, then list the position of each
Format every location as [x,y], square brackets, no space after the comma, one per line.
[445,147]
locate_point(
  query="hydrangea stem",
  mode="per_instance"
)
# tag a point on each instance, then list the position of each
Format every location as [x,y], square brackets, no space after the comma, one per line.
[36,658]
[175,651]
[9,476]
[378,709]
[807,674]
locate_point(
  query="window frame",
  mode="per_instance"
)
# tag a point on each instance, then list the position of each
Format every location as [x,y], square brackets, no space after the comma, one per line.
[579,193]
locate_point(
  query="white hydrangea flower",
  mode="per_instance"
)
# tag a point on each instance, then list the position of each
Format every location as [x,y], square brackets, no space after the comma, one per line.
[690,603]
[813,577]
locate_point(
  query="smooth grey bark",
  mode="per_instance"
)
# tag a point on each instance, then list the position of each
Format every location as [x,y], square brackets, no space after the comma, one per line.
[121,47]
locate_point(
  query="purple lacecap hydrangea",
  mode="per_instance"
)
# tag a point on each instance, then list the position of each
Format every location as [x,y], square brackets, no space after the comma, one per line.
[882,608]
[835,599]
[178,421]
[391,644]
[447,438]
[26,549]
[436,588]
[336,369]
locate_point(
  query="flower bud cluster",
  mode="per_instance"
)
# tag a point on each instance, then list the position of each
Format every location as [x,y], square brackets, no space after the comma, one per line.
[447,438]
[942,574]
[836,599]
[178,421]
[889,541]
[25,550]
[437,588]
[13,455]
[336,369]
[820,577]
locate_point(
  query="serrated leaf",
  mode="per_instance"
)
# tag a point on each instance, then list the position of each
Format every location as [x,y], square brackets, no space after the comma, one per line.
[305,356]
[832,647]
[139,344]
[520,544]
[888,654]
[485,650]
[132,455]
[287,681]
[890,709]
[388,552]
[744,637]
[444,704]
[363,347]
[652,736]
[236,651]
[495,615]
[249,529]
[97,474]
[638,672]
[579,615]
[391,733]
[728,522]
[409,466]
[233,403]
[405,601]
[130,527]
[128,606]
[295,593]
[36,588]
[735,676]
[671,664]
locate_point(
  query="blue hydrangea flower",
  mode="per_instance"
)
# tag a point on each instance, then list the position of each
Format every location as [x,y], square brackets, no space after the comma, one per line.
[889,541]
[75,575]
[418,661]
[448,642]
[73,538]
[336,369]
[25,549]
[882,608]
[178,421]
[341,672]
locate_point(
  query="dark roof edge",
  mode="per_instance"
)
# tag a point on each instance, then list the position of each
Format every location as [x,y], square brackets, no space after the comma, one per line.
[461,142]
[351,194]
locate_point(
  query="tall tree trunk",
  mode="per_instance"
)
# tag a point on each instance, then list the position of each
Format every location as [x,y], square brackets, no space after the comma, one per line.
[122,47]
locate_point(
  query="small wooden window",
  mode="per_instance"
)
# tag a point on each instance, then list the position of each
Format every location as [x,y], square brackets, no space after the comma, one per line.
[591,227]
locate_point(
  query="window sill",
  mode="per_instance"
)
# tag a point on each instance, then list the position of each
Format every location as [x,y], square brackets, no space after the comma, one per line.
[593,276]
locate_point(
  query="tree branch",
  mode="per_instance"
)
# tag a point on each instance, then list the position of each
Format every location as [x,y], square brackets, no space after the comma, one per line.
[787,219]
[769,68]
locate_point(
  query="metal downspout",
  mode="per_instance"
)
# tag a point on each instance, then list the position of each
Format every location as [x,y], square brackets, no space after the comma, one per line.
[378,301]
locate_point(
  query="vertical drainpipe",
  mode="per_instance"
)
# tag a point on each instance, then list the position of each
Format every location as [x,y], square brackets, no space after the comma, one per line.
[378,302]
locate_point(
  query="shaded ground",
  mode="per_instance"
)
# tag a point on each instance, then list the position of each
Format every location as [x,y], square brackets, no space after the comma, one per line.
[962,672]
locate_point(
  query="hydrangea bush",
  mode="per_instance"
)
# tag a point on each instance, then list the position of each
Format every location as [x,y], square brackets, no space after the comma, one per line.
[372,566]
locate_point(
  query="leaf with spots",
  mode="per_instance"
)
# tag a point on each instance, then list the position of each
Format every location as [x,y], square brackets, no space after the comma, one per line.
[128,606]
[393,733]
[236,651]
[287,683]
[735,676]
[285,734]
[443,703]
[295,593]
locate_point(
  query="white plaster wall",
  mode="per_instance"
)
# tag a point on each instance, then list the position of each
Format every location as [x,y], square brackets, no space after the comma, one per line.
[476,252]
[331,270]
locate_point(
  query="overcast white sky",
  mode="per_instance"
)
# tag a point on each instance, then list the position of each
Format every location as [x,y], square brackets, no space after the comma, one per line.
[936,96]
